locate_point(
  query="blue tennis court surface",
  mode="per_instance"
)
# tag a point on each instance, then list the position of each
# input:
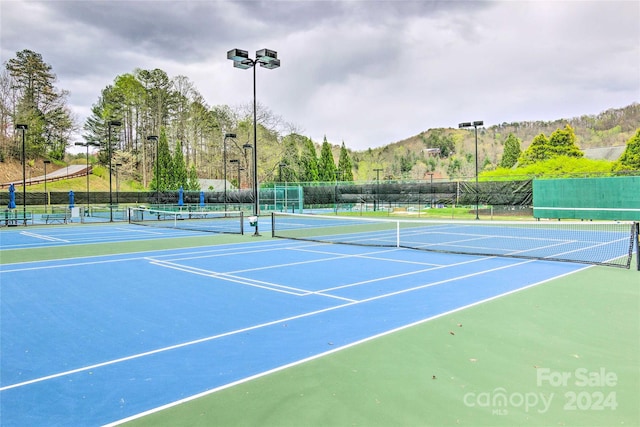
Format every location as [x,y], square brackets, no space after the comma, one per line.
[30,237]
[95,340]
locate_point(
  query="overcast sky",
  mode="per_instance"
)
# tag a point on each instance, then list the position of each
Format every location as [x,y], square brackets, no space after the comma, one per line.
[366,73]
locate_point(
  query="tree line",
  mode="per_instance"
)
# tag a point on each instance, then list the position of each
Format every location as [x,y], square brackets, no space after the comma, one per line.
[560,147]
[157,115]
[190,135]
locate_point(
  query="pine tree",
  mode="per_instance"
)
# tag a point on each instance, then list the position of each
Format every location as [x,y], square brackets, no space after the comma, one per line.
[345,167]
[562,142]
[179,177]
[537,151]
[193,184]
[290,161]
[511,152]
[326,164]
[39,105]
[309,162]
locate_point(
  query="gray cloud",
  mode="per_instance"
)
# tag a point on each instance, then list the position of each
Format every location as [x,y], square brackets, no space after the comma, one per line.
[364,72]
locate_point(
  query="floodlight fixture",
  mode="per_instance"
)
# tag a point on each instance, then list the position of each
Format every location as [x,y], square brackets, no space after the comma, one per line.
[237,55]
[266,55]
[243,65]
[270,65]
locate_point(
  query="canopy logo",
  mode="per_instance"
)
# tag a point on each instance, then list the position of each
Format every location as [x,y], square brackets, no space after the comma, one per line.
[501,401]
[579,390]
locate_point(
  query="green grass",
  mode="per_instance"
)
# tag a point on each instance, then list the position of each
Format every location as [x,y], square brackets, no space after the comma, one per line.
[437,373]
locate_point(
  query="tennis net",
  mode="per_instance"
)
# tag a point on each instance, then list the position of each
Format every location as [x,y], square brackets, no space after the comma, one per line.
[210,221]
[603,243]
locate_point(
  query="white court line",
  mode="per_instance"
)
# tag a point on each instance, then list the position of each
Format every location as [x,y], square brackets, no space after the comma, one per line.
[141,230]
[245,281]
[251,328]
[333,257]
[43,237]
[231,278]
[326,353]
[71,264]
[77,261]
[368,256]
[379,279]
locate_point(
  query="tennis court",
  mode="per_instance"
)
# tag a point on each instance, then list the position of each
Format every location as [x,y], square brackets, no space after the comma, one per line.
[95,336]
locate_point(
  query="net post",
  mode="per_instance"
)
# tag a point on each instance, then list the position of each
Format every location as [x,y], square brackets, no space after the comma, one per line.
[397,234]
[273,224]
[637,233]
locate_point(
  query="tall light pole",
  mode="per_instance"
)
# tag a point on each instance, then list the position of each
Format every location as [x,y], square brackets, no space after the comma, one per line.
[237,163]
[117,186]
[377,201]
[87,144]
[246,147]
[338,177]
[46,195]
[430,189]
[224,160]
[268,59]
[24,128]
[111,123]
[155,139]
[475,127]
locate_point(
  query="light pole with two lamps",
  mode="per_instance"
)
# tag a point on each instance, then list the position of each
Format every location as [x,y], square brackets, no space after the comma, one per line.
[475,127]
[111,123]
[224,160]
[87,144]
[246,147]
[237,163]
[46,195]
[24,128]
[117,186]
[268,59]
[430,189]
[154,138]
[377,201]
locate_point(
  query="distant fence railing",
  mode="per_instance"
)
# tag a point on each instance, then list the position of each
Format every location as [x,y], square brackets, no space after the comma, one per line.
[41,179]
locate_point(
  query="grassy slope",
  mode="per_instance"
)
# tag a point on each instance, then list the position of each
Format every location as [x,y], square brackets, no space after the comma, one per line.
[421,375]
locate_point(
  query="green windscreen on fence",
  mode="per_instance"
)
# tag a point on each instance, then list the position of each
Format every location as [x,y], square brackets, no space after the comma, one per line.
[615,198]
[282,197]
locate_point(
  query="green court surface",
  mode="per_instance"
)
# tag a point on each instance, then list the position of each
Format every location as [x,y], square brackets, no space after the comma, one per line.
[562,353]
